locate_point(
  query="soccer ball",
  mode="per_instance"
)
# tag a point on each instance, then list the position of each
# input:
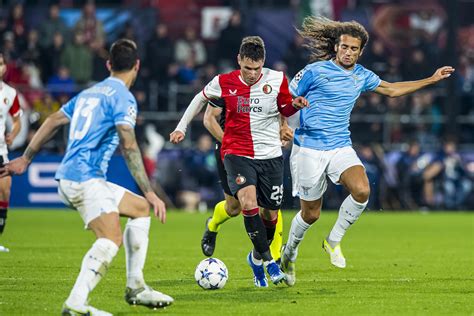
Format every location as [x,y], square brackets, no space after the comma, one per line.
[211,274]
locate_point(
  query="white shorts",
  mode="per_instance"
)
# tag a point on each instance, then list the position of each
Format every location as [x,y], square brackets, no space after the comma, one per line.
[91,198]
[309,168]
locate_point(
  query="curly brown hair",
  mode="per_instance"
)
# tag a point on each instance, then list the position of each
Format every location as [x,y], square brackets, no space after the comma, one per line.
[322,34]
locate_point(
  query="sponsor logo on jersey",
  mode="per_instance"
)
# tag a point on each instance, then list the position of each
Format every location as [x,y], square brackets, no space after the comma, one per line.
[240,179]
[267,89]
[247,105]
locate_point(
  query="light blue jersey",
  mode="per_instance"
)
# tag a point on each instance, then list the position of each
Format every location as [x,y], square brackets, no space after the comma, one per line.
[93,138]
[332,92]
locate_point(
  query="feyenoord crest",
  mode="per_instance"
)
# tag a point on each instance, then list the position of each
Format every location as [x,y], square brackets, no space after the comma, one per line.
[240,179]
[267,89]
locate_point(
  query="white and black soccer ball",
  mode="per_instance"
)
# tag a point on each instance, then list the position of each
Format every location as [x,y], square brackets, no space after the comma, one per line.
[211,274]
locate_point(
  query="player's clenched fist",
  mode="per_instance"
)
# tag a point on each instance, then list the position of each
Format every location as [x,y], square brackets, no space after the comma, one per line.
[300,103]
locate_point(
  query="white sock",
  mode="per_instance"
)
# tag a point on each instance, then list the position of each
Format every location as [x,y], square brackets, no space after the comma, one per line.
[349,212]
[256,261]
[135,241]
[93,268]
[296,235]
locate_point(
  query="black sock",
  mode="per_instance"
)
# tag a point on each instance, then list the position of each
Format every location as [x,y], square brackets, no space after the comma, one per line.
[3,219]
[257,233]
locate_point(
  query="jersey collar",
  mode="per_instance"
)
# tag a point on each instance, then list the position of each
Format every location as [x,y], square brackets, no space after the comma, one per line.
[348,72]
[250,85]
[118,80]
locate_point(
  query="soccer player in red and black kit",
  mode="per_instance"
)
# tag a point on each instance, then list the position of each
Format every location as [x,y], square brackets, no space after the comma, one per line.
[254,97]
[9,106]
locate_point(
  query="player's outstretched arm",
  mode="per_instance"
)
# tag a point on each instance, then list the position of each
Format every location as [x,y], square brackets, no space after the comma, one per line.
[211,122]
[133,157]
[397,89]
[192,110]
[47,130]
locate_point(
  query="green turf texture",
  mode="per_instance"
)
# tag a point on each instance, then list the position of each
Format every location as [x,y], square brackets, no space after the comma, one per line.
[397,263]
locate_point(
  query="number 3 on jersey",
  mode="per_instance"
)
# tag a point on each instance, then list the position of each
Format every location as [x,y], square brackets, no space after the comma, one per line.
[82,117]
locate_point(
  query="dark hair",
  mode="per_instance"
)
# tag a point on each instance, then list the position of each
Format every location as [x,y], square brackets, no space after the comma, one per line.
[323,34]
[123,55]
[252,47]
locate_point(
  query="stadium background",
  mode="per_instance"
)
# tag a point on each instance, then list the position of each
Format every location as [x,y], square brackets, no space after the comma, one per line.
[183,44]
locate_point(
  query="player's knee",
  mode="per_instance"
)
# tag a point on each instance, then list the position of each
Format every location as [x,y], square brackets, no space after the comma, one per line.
[361,193]
[233,209]
[143,208]
[311,214]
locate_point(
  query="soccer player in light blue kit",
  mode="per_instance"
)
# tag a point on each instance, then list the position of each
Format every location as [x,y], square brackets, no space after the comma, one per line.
[100,118]
[322,145]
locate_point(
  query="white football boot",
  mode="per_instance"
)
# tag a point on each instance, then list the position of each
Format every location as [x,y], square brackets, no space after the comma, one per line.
[337,258]
[4,249]
[288,267]
[83,310]
[148,297]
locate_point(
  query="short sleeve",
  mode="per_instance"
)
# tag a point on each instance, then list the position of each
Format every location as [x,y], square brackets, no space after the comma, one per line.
[213,92]
[15,109]
[372,81]
[125,109]
[68,108]
[302,82]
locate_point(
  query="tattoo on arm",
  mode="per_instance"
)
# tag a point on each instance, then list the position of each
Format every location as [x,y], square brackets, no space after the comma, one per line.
[133,157]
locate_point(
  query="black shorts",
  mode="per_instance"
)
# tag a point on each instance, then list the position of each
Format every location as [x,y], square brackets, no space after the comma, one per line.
[221,170]
[266,175]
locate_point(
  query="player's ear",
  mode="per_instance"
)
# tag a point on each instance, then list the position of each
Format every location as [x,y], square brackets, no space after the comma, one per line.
[109,66]
[238,59]
[137,65]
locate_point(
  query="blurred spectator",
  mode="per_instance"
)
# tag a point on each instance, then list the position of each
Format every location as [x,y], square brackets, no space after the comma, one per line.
[61,84]
[187,72]
[207,73]
[159,54]
[190,47]
[45,106]
[200,175]
[296,56]
[32,54]
[448,171]
[99,60]
[89,25]
[376,57]
[16,24]
[52,25]
[416,66]
[229,41]
[409,170]
[3,26]
[128,32]
[77,57]
[51,57]
[426,24]
[9,48]
[16,17]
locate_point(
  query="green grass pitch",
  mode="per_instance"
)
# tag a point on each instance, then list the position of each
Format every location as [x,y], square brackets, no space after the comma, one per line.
[398,264]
